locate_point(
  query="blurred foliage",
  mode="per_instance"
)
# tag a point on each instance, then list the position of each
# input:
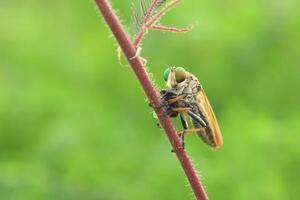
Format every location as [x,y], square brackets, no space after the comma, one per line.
[75,124]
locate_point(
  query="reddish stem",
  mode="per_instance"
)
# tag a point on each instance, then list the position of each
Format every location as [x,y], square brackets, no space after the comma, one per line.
[171,29]
[153,96]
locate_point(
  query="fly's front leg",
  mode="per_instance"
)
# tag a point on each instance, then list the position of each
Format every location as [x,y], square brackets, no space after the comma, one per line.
[176,99]
[170,97]
[172,104]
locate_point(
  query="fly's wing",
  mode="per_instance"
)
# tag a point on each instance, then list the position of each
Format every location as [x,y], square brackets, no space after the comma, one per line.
[211,134]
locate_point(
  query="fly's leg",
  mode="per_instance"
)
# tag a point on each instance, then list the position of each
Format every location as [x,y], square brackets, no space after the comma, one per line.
[181,109]
[167,98]
[168,102]
[186,130]
[192,130]
[176,99]
[197,118]
[185,127]
[171,108]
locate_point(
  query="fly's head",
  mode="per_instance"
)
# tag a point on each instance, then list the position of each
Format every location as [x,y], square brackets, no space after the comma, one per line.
[175,78]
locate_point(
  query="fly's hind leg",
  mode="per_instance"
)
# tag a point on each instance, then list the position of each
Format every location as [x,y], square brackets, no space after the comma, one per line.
[186,130]
[185,127]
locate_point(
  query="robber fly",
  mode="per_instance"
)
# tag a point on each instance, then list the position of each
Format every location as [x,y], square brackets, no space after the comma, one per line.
[185,97]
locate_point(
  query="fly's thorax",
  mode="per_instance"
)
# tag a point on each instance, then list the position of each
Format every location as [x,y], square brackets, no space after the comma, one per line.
[190,87]
[195,84]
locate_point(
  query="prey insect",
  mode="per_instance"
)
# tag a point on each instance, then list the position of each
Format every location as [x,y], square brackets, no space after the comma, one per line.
[185,97]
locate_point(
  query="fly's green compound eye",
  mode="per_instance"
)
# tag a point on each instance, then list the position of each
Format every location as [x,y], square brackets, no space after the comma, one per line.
[180,74]
[166,73]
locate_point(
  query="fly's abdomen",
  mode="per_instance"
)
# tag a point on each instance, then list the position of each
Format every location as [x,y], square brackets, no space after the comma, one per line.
[205,134]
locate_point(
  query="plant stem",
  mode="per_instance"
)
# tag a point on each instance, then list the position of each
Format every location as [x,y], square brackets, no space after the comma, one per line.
[153,96]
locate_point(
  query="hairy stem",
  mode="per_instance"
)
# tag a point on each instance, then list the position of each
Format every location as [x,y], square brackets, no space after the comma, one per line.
[153,96]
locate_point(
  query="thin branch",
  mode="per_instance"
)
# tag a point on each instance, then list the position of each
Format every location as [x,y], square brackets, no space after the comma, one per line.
[143,29]
[153,96]
[156,17]
[150,20]
[151,9]
[171,29]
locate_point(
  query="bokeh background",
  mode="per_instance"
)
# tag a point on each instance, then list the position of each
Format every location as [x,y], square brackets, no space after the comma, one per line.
[74,124]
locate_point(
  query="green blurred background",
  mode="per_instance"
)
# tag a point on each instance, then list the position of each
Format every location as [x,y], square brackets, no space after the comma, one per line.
[74,124]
